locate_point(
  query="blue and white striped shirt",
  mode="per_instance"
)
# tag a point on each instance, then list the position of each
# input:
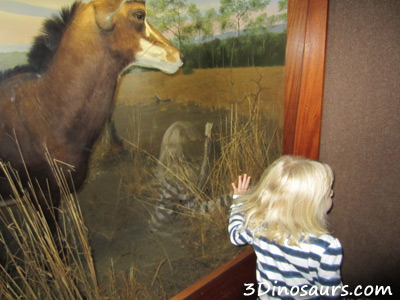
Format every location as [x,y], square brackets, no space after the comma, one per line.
[308,271]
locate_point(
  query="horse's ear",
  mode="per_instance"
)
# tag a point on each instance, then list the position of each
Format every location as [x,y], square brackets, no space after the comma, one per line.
[105,11]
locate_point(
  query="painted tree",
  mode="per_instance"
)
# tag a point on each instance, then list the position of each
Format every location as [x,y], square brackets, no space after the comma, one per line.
[197,26]
[260,25]
[203,27]
[283,4]
[197,21]
[171,17]
[210,18]
[236,13]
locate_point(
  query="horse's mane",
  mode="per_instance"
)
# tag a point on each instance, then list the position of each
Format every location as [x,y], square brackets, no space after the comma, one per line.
[45,44]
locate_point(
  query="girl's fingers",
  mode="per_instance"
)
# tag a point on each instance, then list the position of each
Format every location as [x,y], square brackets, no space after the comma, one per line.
[247,182]
[234,187]
[243,184]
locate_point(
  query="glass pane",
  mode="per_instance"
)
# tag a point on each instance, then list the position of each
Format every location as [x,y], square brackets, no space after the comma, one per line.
[156,198]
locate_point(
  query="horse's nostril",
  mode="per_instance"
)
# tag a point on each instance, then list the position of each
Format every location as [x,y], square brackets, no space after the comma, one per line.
[182,58]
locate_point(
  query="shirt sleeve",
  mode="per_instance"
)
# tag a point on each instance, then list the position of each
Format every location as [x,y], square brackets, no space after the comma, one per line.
[329,271]
[237,233]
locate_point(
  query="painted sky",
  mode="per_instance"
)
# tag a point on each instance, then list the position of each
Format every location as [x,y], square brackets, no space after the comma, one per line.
[20,20]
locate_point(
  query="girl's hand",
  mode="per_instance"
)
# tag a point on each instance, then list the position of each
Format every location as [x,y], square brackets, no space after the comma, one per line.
[243,185]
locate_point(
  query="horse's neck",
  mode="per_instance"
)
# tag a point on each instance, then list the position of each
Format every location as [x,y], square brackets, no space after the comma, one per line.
[82,74]
[80,71]
[82,89]
[78,102]
[79,85]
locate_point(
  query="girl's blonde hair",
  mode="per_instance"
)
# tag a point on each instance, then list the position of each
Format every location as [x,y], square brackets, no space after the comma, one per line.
[289,201]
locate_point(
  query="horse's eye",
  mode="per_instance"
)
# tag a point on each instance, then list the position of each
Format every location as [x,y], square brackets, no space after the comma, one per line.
[139,15]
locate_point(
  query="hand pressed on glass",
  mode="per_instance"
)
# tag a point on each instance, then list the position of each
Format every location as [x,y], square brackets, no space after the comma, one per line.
[243,185]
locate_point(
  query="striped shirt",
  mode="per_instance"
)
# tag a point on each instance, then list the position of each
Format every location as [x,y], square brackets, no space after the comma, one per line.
[308,271]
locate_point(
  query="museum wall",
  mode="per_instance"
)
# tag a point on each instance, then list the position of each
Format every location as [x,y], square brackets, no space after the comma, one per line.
[360,136]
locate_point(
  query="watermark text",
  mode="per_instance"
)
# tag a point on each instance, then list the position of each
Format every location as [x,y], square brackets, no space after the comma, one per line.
[314,291]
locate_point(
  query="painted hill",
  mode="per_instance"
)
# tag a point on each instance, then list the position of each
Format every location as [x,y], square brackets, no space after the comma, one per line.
[12,59]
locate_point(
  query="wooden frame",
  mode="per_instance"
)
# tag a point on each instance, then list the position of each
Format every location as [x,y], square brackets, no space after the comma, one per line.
[304,67]
[304,79]
[225,282]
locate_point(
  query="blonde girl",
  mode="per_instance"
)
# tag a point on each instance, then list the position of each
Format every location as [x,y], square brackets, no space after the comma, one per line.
[284,218]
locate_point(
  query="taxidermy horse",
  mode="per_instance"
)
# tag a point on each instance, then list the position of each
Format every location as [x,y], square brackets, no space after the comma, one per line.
[63,98]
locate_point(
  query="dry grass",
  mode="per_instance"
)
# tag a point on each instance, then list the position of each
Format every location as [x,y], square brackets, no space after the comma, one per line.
[34,267]
[42,272]
[248,145]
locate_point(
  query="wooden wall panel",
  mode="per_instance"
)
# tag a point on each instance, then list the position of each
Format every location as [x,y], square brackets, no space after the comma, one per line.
[305,59]
[361,137]
[308,124]
[296,36]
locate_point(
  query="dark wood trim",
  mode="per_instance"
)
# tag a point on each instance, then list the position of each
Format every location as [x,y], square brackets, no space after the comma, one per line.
[305,67]
[304,78]
[225,282]
[296,35]
[308,124]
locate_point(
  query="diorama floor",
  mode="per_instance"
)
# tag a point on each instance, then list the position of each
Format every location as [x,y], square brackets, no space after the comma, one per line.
[164,263]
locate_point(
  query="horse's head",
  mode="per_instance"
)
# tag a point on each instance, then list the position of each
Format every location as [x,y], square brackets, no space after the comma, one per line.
[123,23]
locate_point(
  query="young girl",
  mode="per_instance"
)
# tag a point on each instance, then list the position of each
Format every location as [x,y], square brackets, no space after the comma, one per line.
[284,218]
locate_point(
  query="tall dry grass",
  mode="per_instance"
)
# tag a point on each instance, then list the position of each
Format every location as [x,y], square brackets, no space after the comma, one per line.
[33,265]
[245,144]
[248,145]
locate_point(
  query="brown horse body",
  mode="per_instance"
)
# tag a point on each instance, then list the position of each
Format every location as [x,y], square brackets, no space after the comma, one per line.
[64,103]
